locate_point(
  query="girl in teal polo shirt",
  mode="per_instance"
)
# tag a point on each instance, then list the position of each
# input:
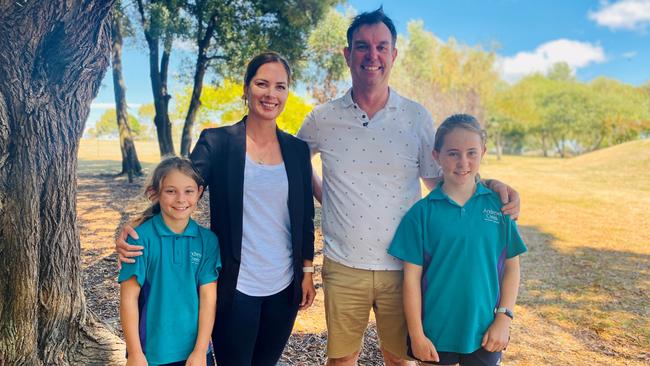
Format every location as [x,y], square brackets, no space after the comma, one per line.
[460,253]
[168,296]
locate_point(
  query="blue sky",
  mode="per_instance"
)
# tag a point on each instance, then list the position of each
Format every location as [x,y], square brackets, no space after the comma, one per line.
[608,38]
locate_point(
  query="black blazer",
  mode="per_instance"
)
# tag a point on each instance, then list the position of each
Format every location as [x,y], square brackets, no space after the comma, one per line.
[219,156]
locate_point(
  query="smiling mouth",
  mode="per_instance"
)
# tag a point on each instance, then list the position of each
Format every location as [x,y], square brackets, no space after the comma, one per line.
[371,68]
[181,208]
[267,105]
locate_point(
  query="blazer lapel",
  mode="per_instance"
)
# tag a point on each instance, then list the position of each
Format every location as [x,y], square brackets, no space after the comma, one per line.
[235,176]
[294,177]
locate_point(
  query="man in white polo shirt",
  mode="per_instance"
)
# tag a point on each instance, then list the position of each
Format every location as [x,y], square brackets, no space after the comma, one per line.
[375,146]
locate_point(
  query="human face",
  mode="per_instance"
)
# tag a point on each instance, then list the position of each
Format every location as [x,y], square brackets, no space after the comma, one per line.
[178,196]
[460,156]
[371,56]
[267,92]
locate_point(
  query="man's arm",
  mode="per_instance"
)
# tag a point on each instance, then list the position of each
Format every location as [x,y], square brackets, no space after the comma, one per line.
[509,197]
[317,186]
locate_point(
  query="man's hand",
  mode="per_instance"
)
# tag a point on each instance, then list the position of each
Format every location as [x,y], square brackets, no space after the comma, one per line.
[509,197]
[308,291]
[497,336]
[423,349]
[124,250]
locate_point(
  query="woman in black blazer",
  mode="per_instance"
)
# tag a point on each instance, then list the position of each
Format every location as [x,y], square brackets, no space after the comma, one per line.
[265,229]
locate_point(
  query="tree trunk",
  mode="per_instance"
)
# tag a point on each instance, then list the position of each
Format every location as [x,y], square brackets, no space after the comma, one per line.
[158,76]
[53,55]
[130,163]
[199,74]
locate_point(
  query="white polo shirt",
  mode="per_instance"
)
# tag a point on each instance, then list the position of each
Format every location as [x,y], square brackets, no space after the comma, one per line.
[371,171]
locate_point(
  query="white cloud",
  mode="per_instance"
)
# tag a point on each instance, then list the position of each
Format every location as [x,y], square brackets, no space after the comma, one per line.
[575,53]
[101,106]
[624,14]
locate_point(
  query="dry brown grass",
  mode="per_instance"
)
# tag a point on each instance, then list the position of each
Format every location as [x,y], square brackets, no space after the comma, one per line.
[585,284]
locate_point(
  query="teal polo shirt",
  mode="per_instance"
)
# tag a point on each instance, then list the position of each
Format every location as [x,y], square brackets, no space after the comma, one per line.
[462,250]
[170,272]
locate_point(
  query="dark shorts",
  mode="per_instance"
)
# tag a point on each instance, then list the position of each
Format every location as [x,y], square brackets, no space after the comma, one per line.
[480,357]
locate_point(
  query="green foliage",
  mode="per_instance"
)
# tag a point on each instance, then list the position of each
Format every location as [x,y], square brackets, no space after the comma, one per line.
[106,126]
[222,105]
[326,64]
[445,77]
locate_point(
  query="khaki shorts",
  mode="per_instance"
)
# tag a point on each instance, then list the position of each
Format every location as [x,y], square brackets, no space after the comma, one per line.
[349,295]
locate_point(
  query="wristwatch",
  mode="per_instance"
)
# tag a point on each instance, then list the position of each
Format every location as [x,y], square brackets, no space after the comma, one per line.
[309,269]
[505,311]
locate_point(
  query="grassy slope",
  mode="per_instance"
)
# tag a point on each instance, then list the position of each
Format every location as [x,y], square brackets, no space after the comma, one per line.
[587,225]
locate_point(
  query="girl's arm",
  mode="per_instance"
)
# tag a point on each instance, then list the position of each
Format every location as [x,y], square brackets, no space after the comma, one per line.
[497,336]
[421,346]
[308,289]
[129,315]
[207,311]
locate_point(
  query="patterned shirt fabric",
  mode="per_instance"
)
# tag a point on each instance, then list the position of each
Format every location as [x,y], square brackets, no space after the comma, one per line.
[462,250]
[371,171]
[170,272]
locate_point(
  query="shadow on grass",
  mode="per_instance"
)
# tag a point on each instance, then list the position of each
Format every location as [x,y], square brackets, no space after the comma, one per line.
[599,296]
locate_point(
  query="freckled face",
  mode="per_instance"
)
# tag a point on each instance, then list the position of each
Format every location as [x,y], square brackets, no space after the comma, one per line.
[460,156]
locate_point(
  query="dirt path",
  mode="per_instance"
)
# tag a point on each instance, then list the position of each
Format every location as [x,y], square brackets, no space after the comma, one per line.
[105,202]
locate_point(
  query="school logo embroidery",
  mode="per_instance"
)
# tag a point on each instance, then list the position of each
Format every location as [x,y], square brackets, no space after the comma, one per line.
[195,257]
[492,216]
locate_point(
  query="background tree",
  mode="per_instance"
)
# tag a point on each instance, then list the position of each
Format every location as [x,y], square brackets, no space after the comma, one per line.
[106,125]
[223,105]
[228,33]
[326,66]
[445,77]
[161,23]
[53,55]
[130,163]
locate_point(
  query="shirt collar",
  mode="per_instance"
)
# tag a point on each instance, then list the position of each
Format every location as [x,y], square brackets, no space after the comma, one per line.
[439,194]
[192,229]
[392,103]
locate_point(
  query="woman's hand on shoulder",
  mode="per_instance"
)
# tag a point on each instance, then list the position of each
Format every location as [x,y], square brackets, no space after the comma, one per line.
[308,291]
[123,249]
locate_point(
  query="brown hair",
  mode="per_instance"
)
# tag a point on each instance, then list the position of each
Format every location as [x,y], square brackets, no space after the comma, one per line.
[264,58]
[152,188]
[465,121]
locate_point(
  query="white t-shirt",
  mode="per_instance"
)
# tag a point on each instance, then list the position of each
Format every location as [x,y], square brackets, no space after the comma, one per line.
[371,171]
[266,265]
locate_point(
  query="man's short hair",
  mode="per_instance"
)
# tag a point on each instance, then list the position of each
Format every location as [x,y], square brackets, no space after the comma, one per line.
[370,18]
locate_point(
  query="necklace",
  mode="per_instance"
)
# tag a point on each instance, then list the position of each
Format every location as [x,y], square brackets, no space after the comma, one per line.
[260,156]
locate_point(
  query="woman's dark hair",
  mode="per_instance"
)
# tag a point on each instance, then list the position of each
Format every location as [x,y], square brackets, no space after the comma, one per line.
[152,188]
[370,18]
[264,58]
[465,121]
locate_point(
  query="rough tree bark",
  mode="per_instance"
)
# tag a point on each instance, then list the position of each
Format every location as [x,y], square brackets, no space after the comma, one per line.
[202,61]
[53,55]
[158,76]
[130,163]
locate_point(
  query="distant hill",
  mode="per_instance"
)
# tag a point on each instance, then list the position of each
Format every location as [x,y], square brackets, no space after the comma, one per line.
[633,155]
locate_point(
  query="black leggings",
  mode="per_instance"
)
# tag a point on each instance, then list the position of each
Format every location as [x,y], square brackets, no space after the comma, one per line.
[255,329]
